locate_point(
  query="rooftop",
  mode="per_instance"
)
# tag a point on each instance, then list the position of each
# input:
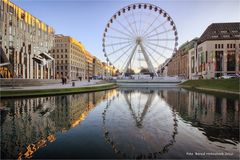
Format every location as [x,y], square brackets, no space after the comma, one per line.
[221,31]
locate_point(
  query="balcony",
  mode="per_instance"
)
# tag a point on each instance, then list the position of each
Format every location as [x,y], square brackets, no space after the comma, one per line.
[5,61]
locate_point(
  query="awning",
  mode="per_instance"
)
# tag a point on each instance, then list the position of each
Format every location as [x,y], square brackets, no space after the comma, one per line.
[4,64]
[46,56]
[38,59]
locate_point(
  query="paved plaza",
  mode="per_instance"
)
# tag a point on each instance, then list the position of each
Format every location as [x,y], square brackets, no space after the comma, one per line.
[54,86]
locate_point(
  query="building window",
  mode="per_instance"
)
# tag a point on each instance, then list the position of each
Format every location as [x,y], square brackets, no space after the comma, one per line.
[222,45]
[61,50]
[219,60]
[227,45]
[206,56]
[61,56]
[65,56]
[215,46]
[57,51]
[65,50]
[218,45]
[231,61]
[57,56]
[66,67]
[226,36]
[234,45]
[224,31]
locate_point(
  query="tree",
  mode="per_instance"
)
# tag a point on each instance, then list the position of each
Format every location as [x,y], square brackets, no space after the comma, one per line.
[144,71]
[131,71]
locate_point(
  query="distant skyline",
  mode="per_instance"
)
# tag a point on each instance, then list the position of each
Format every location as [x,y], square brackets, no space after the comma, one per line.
[86,20]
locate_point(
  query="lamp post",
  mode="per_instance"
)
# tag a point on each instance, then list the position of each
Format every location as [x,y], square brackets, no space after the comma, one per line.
[13,68]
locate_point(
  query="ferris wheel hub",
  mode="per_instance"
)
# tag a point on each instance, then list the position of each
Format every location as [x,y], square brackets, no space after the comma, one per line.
[138,40]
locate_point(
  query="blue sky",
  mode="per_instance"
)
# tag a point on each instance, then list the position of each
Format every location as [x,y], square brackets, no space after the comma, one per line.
[85,20]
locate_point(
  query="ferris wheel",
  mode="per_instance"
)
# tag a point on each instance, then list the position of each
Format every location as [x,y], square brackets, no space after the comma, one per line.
[139,36]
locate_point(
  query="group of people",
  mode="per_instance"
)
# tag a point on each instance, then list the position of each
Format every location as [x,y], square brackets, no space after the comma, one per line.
[64,80]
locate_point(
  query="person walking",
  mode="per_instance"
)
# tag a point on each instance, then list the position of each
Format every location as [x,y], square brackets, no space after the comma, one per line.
[65,80]
[62,80]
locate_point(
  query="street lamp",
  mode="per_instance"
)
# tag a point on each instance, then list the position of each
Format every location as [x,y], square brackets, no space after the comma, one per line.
[13,67]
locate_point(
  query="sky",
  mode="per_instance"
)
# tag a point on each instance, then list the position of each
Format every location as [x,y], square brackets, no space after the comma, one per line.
[85,20]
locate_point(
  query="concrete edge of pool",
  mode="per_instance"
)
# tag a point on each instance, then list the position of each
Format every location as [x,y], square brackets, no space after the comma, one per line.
[209,89]
[56,91]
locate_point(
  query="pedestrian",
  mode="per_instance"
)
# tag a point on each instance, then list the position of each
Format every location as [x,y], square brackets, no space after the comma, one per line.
[65,80]
[62,80]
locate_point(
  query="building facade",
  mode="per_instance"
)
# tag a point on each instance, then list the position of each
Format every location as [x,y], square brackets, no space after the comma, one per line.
[24,44]
[69,55]
[178,65]
[97,67]
[163,68]
[88,65]
[217,52]
[173,65]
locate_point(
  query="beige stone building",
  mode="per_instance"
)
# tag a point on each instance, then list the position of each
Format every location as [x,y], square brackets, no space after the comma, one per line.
[217,52]
[97,67]
[112,70]
[24,44]
[88,65]
[69,55]
[108,70]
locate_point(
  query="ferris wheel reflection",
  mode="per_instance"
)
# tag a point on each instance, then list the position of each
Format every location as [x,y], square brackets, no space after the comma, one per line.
[139,117]
[141,125]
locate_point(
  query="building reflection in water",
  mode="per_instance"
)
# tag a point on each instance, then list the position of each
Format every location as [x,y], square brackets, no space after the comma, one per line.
[29,124]
[217,116]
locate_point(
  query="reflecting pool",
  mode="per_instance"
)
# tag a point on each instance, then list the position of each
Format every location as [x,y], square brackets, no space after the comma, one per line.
[122,123]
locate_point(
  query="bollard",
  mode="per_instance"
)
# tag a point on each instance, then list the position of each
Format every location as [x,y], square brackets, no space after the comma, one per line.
[73,84]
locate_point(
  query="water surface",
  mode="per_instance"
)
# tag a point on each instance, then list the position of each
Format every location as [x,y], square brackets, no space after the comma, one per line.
[122,123]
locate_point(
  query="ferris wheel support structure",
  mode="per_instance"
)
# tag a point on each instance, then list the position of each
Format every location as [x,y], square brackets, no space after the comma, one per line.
[147,59]
[129,61]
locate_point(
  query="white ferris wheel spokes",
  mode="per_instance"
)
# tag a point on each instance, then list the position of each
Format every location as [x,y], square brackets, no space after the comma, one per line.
[139,36]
